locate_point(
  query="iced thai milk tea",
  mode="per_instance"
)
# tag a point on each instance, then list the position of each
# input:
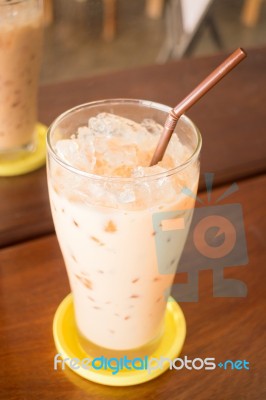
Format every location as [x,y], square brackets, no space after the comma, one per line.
[20,52]
[103,197]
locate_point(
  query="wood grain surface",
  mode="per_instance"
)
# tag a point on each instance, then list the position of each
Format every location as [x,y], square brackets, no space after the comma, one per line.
[33,282]
[231,118]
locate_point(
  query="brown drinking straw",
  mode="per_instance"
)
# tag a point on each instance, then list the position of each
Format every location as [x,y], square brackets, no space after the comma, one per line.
[231,62]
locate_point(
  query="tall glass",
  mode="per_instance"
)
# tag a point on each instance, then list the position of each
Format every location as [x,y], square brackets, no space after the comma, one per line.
[21,32]
[106,228]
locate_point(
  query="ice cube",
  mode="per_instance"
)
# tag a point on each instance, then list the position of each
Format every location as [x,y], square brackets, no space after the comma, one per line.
[105,124]
[115,146]
[67,149]
[113,125]
[79,155]
[155,188]
[164,190]
[127,195]
[152,127]
[126,156]
[83,132]
[147,171]
[110,126]
[175,150]
[101,144]
[138,172]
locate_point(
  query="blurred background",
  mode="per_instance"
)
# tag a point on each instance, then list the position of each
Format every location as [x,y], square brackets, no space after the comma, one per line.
[89,37]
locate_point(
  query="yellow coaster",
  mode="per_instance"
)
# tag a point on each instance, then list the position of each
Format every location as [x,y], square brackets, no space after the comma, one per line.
[27,161]
[67,344]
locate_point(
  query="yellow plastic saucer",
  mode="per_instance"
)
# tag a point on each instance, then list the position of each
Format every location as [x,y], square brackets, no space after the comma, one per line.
[67,344]
[27,161]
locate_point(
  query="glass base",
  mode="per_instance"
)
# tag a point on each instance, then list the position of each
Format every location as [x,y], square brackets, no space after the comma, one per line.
[98,351]
[17,152]
[68,347]
[27,158]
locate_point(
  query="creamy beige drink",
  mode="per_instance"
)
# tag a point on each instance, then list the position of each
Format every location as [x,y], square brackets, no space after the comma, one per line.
[103,197]
[20,52]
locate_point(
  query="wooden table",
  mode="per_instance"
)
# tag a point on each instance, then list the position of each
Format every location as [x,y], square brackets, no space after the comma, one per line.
[33,278]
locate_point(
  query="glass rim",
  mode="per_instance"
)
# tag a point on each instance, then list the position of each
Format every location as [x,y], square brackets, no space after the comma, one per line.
[145,103]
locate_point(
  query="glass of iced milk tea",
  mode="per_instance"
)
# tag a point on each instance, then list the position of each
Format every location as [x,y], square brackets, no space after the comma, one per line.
[103,198]
[21,31]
